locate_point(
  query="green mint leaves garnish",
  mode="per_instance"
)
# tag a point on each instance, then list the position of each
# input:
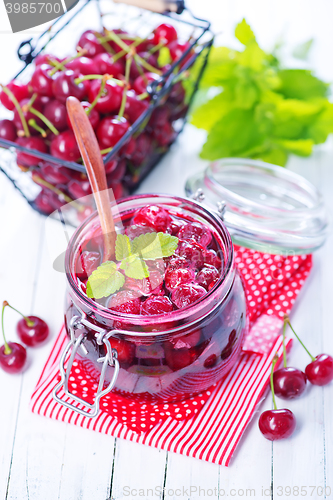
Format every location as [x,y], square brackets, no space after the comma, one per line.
[108,279]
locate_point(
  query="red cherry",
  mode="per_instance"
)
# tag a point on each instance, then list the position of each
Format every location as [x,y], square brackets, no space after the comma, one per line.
[164,33]
[212,259]
[125,350]
[83,65]
[28,115]
[110,130]
[210,362]
[187,341]
[140,83]
[45,59]
[19,90]
[32,334]
[177,50]
[164,135]
[7,130]
[110,101]
[153,216]
[176,277]
[175,226]
[14,361]
[143,149]
[192,251]
[119,191]
[177,94]
[87,263]
[159,117]
[277,424]
[320,371]
[178,263]
[134,107]
[207,277]
[54,173]
[89,42]
[156,305]
[64,86]
[41,80]
[64,146]
[177,359]
[117,173]
[30,143]
[134,230]
[93,116]
[289,383]
[197,232]
[126,302]
[149,58]
[147,286]
[79,189]
[185,295]
[56,112]
[42,202]
[106,66]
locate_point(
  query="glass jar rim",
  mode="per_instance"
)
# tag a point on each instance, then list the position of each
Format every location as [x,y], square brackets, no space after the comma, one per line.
[225,280]
[266,207]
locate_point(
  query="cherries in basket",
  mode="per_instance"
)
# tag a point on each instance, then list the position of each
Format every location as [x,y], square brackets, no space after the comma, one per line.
[31,330]
[110,74]
[290,383]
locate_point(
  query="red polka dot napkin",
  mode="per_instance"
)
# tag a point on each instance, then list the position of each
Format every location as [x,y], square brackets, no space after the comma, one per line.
[210,425]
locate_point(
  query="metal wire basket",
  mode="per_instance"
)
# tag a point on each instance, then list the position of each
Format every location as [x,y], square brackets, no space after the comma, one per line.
[62,35]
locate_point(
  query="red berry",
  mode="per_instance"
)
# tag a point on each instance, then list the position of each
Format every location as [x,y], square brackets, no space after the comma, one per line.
[156,305]
[197,232]
[86,263]
[164,135]
[125,350]
[7,130]
[178,263]
[212,259]
[146,286]
[93,116]
[19,90]
[134,231]
[54,173]
[30,143]
[164,33]
[41,80]
[177,50]
[143,149]
[140,84]
[64,146]
[32,335]
[289,383]
[106,66]
[89,41]
[42,202]
[210,362]
[320,371]
[56,112]
[185,295]
[79,189]
[192,251]
[277,424]
[28,115]
[153,216]
[64,86]
[176,277]
[187,341]
[83,65]
[117,173]
[134,107]
[110,100]
[45,59]
[207,277]
[13,362]
[126,302]
[110,130]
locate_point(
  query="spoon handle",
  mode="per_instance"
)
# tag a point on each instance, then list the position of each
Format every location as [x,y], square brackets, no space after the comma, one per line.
[93,162]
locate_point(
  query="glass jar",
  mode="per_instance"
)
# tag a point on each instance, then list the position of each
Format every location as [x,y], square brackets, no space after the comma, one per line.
[169,356]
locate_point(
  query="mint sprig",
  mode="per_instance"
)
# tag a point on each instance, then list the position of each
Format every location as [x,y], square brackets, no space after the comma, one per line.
[108,278]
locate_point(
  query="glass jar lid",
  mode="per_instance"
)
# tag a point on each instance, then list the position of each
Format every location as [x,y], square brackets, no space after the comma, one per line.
[264,206]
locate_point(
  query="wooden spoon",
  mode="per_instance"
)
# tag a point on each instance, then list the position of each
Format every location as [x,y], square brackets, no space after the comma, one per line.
[93,162]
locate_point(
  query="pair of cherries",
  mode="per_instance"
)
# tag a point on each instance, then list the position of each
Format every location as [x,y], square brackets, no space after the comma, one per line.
[31,330]
[290,383]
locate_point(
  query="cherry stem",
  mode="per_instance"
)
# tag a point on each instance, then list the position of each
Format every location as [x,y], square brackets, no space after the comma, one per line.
[105,151]
[7,349]
[286,318]
[67,198]
[61,66]
[44,120]
[143,96]
[32,100]
[275,359]
[120,54]
[156,48]
[284,344]
[146,65]
[18,108]
[28,321]
[39,129]
[98,77]
[98,96]
[103,41]
[126,86]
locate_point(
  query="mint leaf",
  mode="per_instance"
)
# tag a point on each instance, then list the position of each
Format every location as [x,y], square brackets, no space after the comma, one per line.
[302,51]
[104,281]
[123,246]
[153,246]
[301,147]
[244,33]
[135,267]
[209,113]
[301,84]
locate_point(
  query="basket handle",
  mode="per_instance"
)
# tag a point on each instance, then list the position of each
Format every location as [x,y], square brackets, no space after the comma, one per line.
[159,6]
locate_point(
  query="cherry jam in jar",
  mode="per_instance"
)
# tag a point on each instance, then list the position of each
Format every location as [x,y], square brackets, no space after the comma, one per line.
[174,333]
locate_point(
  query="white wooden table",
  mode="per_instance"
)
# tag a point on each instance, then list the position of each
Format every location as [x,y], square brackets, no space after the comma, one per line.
[43,459]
